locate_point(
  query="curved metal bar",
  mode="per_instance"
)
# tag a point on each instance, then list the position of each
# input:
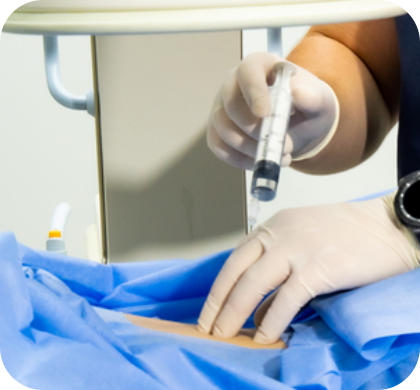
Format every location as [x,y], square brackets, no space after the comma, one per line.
[55,84]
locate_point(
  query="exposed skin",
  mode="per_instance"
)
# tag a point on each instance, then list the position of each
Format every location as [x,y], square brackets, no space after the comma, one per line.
[360,61]
[243,339]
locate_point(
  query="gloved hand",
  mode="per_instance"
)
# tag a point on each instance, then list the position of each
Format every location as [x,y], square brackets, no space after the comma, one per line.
[305,252]
[233,126]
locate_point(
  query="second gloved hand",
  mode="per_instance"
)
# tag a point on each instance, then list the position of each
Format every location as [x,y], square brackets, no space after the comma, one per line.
[234,124]
[304,252]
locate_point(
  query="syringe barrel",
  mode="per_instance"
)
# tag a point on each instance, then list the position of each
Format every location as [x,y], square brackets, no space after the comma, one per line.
[272,136]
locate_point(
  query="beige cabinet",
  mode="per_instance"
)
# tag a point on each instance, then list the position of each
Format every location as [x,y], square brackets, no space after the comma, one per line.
[164,193]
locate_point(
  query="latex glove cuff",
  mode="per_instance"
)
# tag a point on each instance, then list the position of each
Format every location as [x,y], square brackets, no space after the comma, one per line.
[315,114]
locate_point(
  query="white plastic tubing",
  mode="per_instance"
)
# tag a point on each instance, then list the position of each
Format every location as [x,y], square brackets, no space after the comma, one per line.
[60,216]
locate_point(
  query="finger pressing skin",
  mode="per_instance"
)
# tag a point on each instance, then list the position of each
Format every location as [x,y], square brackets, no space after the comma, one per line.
[225,152]
[251,288]
[232,135]
[290,298]
[238,262]
[238,110]
[262,309]
[252,80]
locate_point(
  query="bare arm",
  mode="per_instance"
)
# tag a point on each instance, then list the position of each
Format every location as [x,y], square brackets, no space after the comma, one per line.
[360,61]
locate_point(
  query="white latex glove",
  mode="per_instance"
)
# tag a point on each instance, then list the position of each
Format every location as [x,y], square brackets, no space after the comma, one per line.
[234,124]
[305,252]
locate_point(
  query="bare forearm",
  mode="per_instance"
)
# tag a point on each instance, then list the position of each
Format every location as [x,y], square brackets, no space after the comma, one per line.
[367,107]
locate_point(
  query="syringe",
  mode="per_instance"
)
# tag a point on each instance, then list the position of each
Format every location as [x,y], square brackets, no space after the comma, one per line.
[271,143]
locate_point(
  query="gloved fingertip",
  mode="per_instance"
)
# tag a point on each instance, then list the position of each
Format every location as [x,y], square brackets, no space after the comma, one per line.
[261,338]
[223,332]
[202,327]
[208,315]
[288,145]
[286,160]
[217,331]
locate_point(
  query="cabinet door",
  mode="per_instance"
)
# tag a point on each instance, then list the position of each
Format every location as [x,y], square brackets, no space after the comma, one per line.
[163,193]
